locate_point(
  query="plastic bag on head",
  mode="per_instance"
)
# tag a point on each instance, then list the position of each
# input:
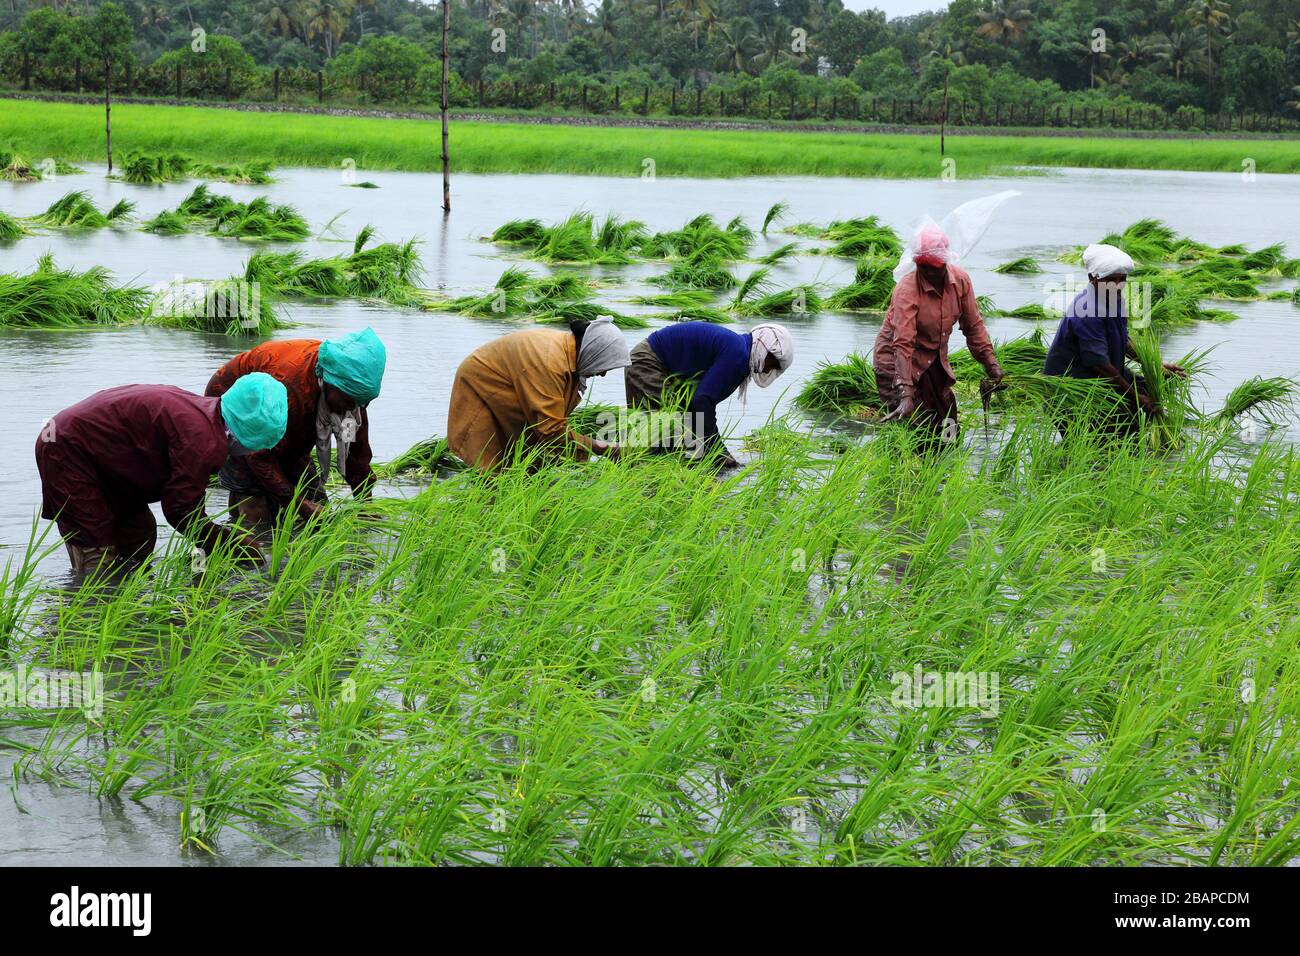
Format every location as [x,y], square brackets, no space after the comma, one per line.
[961,229]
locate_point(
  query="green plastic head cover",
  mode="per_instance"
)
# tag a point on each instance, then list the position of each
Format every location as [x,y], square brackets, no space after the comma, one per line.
[256,410]
[353,364]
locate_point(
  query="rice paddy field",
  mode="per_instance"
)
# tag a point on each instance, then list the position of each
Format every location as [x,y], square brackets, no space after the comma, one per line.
[636,662]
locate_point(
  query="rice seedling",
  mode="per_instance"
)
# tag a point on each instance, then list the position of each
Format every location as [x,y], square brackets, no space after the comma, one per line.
[1024,266]
[520,292]
[256,173]
[697,313]
[845,388]
[870,290]
[229,218]
[387,271]
[701,270]
[866,237]
[15,169]
[775,213]
[1032,311]
[151,169]
[699,240]
[578,239]
[780,253]
[225,307]
[52,298]
[76,210]
[384,677]
[429,457]
[678,299]
[11,229]
[561,313]
[1219,278]
[1270,399]
[364,184]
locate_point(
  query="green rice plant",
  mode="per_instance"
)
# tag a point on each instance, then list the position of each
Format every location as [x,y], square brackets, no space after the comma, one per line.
[677,299]
[529,232]
[257,172]
[845,388]
[1171,394]
[561,313]
[871,288]
[577,239]
[430,457]
[1032,311]
[76,210]
[780,253]
[169,222]
[700,240]
[15,169]
[866,237]
[364,184]
[224,307]
[52,298]
[518,291]
[697,313]
[223,216]
[388,271]
[986,305]
[775,213]
[704,270]
[1270,399]
[149,169]
[1019,267]
[11,229]
[798,300]
[1219,278]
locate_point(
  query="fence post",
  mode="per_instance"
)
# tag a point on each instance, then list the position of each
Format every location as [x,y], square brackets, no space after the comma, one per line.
[227,83]
[645,101]
[320,87]
[769,105]
[130,80]
[617,97]
[275,85]
[673,107]
[27,71]
[791,106]
[722,102]
[178,81]
[78,74]
[699,99]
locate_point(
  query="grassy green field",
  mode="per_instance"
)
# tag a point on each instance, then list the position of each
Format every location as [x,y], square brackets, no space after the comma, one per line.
[76,132]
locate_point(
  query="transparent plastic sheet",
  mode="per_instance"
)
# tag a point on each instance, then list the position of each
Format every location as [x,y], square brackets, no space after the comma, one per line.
[963,227]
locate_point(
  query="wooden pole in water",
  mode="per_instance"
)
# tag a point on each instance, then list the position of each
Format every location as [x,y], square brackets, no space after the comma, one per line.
[446,68]
[943,120]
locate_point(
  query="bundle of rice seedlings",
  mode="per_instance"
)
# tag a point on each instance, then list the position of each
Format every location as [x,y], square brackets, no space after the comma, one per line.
[1171,394]
[774,213]
[169,222]
[846,388]
[528,232]
[77,210]
[259,219]
[1148,242]
[1021,356]
[697,313]
[562,313]
[1271,400]
[257,173]
[16,169]
[779,253]
[870,290]
[701,270]
[11,228]
[519,291]
[49,297]
[1032,311]
[143,169]
[429,457]
[388,271]
[1019,267]
[679,299]
[857,238]
[986,305]
[699,240]
[798,300]
[1219,278]
[225,307]
[364,184]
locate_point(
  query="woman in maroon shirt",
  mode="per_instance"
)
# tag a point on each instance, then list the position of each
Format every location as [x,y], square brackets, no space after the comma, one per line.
[104,460]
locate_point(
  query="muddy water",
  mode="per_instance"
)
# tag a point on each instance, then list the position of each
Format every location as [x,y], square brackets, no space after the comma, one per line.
[46,371]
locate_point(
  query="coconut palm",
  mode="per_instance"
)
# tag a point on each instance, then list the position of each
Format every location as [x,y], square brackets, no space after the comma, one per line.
[738,46]
[155,17]
[773,46]
[1210,17]
[1177,51]
[1007,25]
[281,18]
[1137,51]
[328,19]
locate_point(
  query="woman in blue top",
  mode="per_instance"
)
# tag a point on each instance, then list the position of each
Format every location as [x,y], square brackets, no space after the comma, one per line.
[717,360]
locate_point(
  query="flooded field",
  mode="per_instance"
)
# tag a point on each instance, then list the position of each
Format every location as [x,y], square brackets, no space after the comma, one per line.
[45,371]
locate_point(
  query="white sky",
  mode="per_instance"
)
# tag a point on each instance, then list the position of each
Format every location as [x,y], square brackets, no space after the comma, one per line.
[897,8]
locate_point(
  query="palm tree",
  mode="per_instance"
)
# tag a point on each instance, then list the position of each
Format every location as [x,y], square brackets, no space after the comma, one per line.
[1006,25]
[773,45]
[738,43]
[1089,57]
[1293,33]
[281,18]
[605,24]
[695,12]
[1211,16]
[328,19]
[155,16]
[1135,52]
[1175,50]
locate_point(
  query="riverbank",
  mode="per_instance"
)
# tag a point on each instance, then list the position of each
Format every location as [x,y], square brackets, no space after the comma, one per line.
[74,132]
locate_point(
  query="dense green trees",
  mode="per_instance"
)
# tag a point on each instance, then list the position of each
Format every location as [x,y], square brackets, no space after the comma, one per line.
[1229,55]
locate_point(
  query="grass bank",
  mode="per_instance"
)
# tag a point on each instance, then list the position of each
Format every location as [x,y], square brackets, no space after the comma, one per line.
[75,132]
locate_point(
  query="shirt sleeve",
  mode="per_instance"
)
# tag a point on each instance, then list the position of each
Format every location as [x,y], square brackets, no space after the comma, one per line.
[703,411]
[972,327]
[904,309]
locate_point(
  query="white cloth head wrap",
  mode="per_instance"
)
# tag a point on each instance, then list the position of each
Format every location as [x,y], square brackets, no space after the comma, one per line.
[1102,260]
[769,339]
[602,349]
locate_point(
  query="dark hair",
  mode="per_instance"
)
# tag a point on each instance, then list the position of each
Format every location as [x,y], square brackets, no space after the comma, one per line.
[579,328]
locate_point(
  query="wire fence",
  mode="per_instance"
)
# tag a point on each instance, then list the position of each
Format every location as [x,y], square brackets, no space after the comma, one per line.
[302,86]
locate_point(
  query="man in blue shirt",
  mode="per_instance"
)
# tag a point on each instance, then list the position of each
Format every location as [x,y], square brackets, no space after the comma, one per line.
[717,360]
[1092,340]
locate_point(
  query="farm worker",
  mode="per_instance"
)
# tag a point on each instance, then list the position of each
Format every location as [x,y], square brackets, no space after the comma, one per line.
[106,459]
[913,377]
[330,383]
[516,392]
[717,360]
[1092,340]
